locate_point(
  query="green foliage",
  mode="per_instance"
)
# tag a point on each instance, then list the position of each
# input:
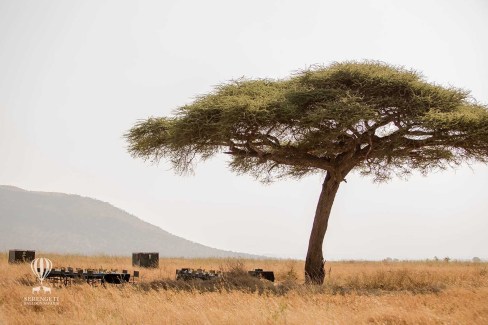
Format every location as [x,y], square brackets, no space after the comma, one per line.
[370,116]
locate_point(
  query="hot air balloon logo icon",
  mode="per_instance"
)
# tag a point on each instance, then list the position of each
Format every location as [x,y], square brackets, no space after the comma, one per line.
[41,267]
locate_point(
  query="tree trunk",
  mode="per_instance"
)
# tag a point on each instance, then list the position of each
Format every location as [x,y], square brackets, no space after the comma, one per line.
[314,264]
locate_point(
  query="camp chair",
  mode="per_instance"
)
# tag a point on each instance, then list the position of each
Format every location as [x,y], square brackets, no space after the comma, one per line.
[134,276]
[90,277]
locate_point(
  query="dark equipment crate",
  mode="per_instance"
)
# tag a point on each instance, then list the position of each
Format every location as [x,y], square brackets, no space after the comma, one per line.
[145,259]
[21,256]
[259,273]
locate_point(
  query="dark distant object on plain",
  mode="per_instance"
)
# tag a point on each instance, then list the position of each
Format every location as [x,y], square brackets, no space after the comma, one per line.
[21,256]
[259,273]
[145,259]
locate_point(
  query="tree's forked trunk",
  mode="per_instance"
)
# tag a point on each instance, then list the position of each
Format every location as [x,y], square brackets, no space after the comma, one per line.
[314,264]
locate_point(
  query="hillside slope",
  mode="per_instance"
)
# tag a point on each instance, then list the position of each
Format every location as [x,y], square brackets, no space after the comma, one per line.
[62,223]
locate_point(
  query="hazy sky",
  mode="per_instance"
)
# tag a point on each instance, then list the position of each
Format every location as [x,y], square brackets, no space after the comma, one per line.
[76,75]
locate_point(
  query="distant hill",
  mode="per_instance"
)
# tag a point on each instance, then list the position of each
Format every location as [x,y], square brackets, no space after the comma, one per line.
[62,223]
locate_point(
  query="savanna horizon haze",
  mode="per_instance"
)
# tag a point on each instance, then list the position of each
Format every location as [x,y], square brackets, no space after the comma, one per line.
[75,76]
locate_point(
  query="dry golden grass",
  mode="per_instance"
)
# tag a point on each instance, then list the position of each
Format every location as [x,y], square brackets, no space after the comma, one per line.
[354,293]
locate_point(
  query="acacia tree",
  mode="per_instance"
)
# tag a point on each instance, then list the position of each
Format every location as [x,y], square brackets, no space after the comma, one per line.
[377,119]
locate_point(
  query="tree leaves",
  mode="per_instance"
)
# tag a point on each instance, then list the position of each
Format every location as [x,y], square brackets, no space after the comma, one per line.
[370,116]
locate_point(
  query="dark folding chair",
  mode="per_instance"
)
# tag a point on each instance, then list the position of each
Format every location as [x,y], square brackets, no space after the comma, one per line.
[123,276]
[68,276]
[134,276]
[55,277]
[90,277]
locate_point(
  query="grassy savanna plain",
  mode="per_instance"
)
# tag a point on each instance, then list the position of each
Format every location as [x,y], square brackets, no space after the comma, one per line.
[417,292]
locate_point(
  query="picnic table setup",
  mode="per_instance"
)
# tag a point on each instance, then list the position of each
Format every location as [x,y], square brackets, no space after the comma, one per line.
[91,276]
[187,274]
[191,274]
